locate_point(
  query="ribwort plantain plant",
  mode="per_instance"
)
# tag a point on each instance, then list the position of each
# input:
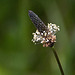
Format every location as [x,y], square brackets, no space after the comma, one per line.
[45,35]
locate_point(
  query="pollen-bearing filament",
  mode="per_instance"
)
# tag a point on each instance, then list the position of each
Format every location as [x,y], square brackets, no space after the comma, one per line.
[46,38]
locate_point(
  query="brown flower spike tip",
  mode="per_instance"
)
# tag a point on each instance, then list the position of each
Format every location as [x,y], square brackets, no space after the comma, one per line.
[44,34]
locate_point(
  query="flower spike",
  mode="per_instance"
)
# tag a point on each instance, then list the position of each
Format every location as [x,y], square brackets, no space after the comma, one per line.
[37,22]
[44,34]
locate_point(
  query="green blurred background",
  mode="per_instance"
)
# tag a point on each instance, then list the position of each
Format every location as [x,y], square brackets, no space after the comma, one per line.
[20,56]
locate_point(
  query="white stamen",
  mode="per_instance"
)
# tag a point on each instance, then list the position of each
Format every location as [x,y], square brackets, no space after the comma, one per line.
[42,37]
[41,33]
[47,40]
[41,41]
[45,34]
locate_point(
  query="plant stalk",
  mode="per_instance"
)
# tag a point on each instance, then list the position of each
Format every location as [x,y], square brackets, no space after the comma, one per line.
[58,61]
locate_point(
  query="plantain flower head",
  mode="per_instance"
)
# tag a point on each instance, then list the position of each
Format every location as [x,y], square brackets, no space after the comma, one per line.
[44,34]
[46,38]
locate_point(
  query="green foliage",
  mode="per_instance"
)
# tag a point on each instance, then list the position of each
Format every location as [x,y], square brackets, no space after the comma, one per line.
[18,55]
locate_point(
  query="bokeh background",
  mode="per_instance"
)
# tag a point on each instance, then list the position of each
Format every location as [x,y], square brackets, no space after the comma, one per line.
[20,56]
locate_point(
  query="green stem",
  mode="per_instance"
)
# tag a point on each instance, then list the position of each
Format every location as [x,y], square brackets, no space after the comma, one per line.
[58,61]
